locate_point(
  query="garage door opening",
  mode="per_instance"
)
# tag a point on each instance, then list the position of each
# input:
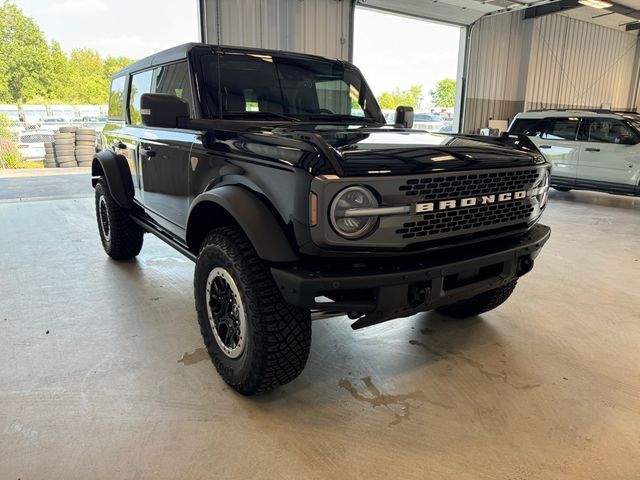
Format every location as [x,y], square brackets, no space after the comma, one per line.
[413,62]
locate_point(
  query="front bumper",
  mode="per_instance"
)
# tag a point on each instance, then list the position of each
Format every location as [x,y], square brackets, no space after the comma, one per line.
[394,288]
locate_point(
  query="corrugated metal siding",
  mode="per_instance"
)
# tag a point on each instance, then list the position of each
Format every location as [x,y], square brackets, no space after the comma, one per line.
[320,27]
[548,62]
[575,64]
[495,86]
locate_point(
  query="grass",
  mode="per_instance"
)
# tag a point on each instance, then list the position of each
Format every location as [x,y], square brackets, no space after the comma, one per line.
[25,164]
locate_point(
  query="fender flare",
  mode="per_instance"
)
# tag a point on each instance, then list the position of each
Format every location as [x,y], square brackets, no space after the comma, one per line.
[115,169]
[256,220]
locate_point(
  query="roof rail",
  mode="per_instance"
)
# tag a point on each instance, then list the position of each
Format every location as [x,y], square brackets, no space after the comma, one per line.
[592,110]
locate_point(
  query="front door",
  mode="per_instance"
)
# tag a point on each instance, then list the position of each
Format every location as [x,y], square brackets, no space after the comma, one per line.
[162,154]
[603,159]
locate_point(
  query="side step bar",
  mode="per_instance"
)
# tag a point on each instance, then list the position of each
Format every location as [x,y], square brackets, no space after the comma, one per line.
[165,237]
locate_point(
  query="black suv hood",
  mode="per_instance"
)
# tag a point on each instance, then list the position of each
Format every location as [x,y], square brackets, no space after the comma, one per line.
[365,151]
[359,151]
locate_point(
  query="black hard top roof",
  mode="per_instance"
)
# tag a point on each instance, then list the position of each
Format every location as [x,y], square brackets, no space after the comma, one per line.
[180,52]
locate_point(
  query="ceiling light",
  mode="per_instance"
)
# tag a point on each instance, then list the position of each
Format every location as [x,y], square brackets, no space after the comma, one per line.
[596,3]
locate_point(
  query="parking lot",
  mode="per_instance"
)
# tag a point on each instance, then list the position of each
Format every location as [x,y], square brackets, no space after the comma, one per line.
[106,374]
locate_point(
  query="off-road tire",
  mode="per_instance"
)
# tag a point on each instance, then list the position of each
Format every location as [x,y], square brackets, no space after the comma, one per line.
[124,239]
[480,303]
[278,335]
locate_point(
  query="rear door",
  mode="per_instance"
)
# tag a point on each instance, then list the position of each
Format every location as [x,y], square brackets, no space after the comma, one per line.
[604,162]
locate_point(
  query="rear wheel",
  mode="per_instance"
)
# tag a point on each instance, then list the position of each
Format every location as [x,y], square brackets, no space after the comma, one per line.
[480,303]
[121,237]
[255,339]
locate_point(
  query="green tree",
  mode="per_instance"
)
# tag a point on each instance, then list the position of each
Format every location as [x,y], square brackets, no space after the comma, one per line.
[60,87]
[33,72]
[406,98]
[115,64]
[444,95]
[87,75]
[25,63]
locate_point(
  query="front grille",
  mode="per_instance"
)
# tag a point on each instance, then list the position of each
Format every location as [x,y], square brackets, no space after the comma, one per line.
[37,138]
[454,221]
[469,184]
[466,220]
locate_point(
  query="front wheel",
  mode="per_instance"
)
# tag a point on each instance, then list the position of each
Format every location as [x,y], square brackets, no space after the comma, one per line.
[255,339]
[481,303]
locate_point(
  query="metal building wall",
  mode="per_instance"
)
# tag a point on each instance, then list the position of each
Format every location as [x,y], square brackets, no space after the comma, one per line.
[548,62]
[496,77]
[575,64]
[321,27]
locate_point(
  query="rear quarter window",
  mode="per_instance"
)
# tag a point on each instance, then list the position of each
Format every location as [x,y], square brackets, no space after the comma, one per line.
[116,99]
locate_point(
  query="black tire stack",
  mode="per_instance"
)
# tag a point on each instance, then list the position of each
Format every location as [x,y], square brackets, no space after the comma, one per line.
[85,146]
[64,146]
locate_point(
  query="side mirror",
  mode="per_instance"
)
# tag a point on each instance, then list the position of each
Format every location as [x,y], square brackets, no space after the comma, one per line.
[626,140]
[165,111]
[404,117]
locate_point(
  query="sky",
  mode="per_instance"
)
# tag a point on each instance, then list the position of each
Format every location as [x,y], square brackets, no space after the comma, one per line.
[396,51]
[131,28]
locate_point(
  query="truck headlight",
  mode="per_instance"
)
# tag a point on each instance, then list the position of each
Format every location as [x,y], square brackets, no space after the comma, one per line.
[348,212]
[543,190]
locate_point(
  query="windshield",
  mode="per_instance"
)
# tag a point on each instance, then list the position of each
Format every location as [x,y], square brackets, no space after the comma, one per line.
[239,85]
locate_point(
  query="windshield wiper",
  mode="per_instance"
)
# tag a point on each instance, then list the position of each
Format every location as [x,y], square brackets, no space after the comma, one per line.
[260,114]
[342,118]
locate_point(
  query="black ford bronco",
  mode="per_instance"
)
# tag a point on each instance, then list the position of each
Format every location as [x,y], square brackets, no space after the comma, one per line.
[276,174]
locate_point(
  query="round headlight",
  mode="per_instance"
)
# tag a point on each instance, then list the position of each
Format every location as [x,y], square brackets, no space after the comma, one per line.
[543,190]
[344,214]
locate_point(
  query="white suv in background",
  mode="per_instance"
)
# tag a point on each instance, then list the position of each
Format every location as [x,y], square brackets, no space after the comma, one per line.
[588,150]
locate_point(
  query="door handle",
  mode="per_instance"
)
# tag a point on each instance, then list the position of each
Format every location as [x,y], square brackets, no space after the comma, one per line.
[545,146]
[148,152]
[592,149]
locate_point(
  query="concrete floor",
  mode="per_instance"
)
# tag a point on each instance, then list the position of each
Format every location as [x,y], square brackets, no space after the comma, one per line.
[104,376]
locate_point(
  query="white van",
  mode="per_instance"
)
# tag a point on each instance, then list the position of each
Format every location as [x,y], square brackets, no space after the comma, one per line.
[64,111]
[588,150]
[33,114]
[12,115]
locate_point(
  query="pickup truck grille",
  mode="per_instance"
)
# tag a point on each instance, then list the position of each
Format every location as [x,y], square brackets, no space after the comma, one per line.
[475,219]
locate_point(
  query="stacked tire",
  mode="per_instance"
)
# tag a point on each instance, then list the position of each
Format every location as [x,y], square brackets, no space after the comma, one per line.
[49,156]
[85,146]
[64,147]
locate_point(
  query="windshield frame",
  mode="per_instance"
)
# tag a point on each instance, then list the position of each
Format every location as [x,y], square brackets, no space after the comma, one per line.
[372,113]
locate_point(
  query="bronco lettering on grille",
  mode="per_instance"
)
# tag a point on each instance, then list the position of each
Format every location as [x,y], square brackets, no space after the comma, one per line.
[470,201]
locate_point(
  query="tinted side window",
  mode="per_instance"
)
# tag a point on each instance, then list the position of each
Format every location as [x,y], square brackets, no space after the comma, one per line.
[561,129]
[606,130]
[532,127]
[140,84]
[116,99]
[174,80]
